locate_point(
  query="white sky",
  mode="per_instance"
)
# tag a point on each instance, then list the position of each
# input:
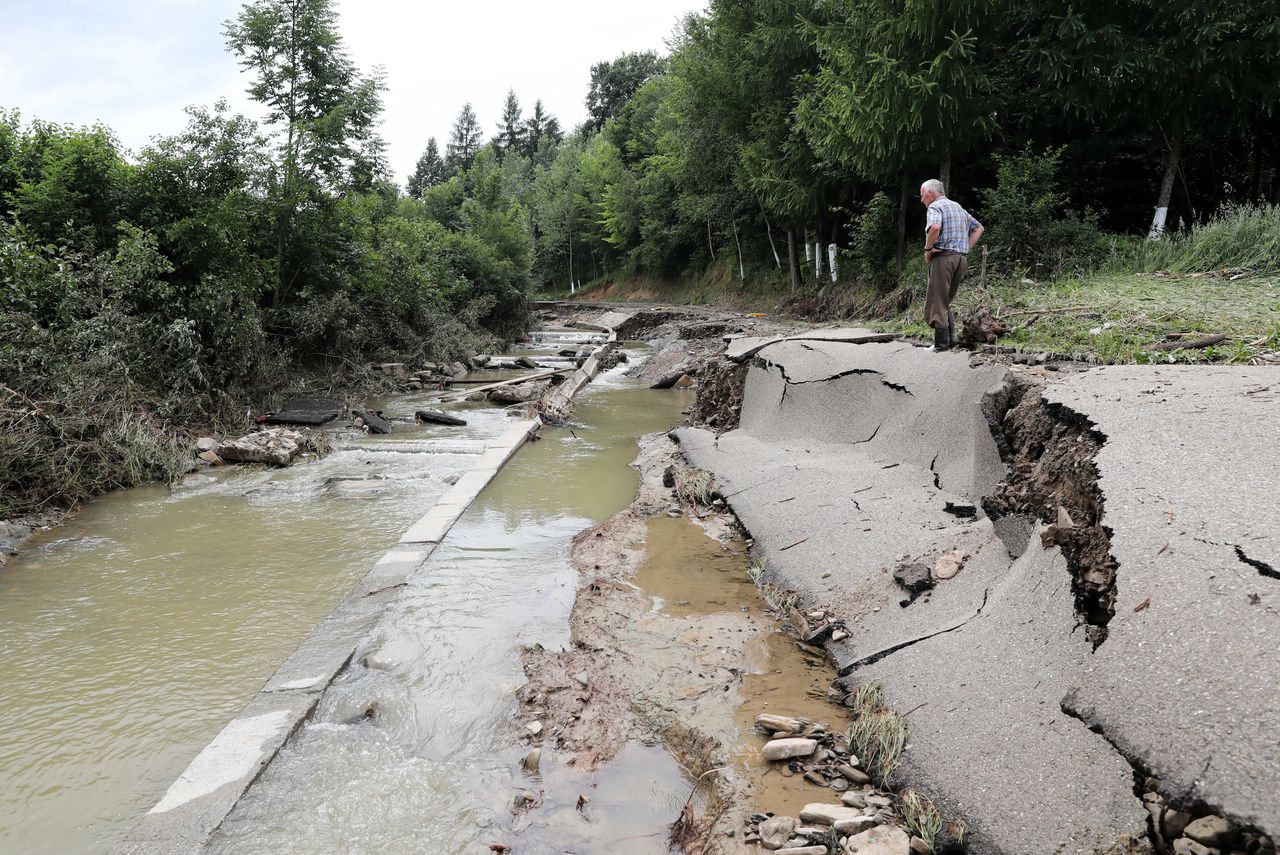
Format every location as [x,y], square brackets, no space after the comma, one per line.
[135,64]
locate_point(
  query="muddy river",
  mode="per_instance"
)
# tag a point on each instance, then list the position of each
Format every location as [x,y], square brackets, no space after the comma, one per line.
[131,635]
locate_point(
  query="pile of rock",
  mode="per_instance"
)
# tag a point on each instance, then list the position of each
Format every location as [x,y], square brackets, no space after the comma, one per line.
[1184,833]
[274,447]
[862,823]
[429,374]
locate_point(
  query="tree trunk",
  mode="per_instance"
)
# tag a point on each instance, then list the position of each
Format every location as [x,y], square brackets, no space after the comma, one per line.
[742,273]
[1166,187]
[709,244]
[793,260]
[769,230]
[833,248]
[944,169]
[818,252]
[902,222]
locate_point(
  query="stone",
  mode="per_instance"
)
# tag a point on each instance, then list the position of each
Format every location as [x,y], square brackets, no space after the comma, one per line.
[306,411]
[855,824]
[804,850]
[480,360]
[582,679]
[518,394]
[783,749]
[948,565]
[210,457]
[206,443]
[920,846]
[839,635]
[854,799]
[857,777]
[526,362]
[532,760]
[839,785]
[825,814]
[373,421]
[533,728]
[914,577]
[776,723]
[879,801]
[1187,846]
[1211,831]
[438,417]
[774,833]
[1174,822]
[275,446]
[882,840]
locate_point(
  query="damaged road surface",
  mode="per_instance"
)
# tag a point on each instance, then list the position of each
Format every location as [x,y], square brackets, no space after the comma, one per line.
[1103,614]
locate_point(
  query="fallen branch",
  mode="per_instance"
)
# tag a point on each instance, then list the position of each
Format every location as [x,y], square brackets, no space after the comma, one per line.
[1207,341]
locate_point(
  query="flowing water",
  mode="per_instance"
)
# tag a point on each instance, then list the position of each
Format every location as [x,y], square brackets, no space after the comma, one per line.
[130,635]
[411,749]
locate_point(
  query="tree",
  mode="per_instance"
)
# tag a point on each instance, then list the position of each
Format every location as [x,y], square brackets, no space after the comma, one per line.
[430,171]
[614,82]
[465,140]
[539,127]
[511,128]
[324,111]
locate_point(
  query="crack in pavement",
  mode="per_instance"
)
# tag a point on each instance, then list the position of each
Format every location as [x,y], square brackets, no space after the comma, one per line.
[1262,567]
[897,387]
[887,651]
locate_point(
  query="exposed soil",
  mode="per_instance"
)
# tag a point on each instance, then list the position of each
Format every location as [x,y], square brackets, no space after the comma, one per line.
[1053,477]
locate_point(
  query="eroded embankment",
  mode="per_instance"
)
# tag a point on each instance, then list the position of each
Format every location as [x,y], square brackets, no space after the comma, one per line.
[859,471]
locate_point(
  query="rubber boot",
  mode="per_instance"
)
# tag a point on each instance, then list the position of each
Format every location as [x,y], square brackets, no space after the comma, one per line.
[940,342]
[951,329]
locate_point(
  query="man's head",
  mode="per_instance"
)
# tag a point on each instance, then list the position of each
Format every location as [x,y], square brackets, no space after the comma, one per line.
[931,191]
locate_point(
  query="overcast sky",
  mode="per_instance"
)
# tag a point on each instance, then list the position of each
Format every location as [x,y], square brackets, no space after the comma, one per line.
[135,64]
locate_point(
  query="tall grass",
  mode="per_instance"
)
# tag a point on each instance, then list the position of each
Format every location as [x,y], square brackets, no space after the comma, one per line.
[1246,237]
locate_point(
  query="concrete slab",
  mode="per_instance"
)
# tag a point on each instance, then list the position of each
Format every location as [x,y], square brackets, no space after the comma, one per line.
[195,804]
[1188,682]
[988,739]
[742,348]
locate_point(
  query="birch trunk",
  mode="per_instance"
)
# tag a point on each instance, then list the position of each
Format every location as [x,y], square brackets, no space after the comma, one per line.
[1166,187]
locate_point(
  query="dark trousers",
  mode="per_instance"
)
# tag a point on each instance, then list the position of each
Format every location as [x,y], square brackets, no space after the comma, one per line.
[946,270]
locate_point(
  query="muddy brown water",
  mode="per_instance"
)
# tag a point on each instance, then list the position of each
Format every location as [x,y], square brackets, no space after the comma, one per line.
[689,572]
[437,768]
[132,634]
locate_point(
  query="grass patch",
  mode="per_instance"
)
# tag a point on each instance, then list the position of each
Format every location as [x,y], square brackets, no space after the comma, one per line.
[878,735]
[1117,316]
[693,486]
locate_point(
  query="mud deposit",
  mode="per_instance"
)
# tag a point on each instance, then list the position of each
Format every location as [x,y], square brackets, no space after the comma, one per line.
[672,644]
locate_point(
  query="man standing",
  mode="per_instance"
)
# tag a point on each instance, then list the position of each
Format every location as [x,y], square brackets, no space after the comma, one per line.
[949,233]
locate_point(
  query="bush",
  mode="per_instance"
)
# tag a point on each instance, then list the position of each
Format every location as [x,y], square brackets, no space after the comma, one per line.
[1029,228]
[873,242]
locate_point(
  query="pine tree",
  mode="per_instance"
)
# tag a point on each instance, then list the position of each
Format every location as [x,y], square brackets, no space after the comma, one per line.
[511,128]
[465,140]
[430,171]
[541,125]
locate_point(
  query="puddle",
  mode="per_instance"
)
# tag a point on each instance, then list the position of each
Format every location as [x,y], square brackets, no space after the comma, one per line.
[690,573]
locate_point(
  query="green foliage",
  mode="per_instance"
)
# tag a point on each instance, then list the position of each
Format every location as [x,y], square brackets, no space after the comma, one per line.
[614,82]
[1033,231]
[464,140]
[871,242]
[429,171]
[1239,237]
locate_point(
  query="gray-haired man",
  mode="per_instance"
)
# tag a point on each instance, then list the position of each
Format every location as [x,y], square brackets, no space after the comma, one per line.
[949,233]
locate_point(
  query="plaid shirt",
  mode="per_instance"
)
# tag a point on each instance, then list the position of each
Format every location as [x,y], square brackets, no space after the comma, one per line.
[956,225]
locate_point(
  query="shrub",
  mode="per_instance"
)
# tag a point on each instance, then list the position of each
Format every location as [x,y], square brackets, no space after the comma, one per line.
[1029,227]
[873,242]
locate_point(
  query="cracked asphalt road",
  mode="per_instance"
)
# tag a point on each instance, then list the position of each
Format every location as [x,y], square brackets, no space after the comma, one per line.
[839,475]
